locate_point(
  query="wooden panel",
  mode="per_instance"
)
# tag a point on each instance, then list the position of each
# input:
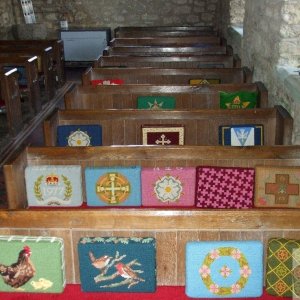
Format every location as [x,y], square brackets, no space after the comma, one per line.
[124,126]
[167,76]
[166,258]
[125,96]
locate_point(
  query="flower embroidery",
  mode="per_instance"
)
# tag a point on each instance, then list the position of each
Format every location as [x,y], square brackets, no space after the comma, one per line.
[245,271]
[79,138]
[214,254]
[236,254]
[207,268]
[225,271]
[214,288]
[168,188]
[282,254]
[235,288]
[204,271]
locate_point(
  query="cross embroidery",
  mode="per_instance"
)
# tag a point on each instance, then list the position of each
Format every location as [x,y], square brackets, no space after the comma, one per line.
[114,188]
[282,189]
[162,141]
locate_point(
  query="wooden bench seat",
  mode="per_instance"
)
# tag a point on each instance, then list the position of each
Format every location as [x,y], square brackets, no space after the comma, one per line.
[45,64]
[10,95]
[187,97]
[172,228]
[166,51]
[31,68]
[195,61]
[168,41]
[167,76]
[123,127]
[58,53]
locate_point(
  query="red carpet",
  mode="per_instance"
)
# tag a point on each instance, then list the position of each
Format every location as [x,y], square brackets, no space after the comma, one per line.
[73,292]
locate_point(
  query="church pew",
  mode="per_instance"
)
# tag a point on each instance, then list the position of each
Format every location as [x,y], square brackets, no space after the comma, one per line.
[187,97]
[10,95]
[164,31]
[45,64]
[30,64]
[123,127]
[168,41]
[167,76]
[172,228]
[166,51]
[58,53]
[195,61]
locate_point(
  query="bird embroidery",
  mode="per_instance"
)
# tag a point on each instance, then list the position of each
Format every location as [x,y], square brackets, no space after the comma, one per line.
[19,273]
[100,263]
[127,273]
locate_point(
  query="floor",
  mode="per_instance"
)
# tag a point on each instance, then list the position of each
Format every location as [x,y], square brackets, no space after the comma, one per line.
[73,74]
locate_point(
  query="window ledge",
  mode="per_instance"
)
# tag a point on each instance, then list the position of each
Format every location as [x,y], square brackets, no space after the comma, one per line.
[235,29]
[291,80]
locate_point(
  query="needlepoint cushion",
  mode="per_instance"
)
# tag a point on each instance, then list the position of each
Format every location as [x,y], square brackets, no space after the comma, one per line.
[168,186]
[241,135]
[283,267]
[79,135]
[53,185]
[204,81]
[113,81]
[277,187]
[156,102]
[224,187]
[163,135]
[219,269]
[32,264]
[242,99]
[112,264]
[113,186]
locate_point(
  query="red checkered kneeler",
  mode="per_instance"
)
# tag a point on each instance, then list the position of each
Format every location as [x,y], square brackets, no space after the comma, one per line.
[224,187]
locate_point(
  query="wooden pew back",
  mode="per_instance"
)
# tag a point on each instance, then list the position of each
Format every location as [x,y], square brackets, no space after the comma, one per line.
[164,31]
[10,94]
[187,97]
[195,61]
[167,76]
[123,127]
[45,64]
[167,41]
[31,67]
[145,156]
[166,51]
[172,228]
[58,52]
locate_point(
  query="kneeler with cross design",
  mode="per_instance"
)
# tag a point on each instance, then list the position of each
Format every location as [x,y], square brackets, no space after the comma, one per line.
[277,187]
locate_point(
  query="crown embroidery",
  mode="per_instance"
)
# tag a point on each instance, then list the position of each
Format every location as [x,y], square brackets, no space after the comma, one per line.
[52,179]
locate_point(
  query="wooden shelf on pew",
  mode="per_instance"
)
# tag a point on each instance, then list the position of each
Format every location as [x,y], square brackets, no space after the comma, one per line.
[152,219]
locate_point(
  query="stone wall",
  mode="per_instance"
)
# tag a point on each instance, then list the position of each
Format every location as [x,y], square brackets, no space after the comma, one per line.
[289,46]
[237,12]
[6,19]
[107,13]
[271,38]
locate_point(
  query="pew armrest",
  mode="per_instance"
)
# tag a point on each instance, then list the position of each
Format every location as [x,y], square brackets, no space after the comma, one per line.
[237,61]
[263,95]
[284,128]
[86,76]
[14,171]
[50,135]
